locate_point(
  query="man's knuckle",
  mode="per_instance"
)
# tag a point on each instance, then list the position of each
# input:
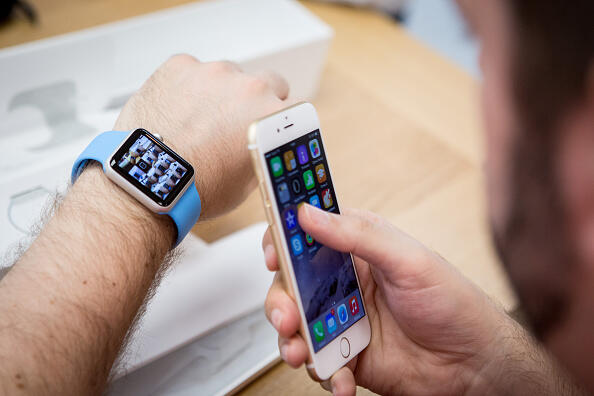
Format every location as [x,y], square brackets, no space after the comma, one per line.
[367,221]
[256,85]
[181,60]
[374,219]
[219,68]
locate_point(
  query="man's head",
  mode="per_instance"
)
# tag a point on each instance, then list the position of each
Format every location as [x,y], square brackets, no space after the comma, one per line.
[537,59]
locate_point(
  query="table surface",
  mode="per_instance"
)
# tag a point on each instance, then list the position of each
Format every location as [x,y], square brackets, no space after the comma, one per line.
[402,127]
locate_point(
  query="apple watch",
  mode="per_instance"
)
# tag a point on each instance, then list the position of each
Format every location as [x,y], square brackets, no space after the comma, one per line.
[142,165]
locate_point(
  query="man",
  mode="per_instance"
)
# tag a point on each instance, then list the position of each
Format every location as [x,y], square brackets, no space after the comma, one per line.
[433,331]
[67,304]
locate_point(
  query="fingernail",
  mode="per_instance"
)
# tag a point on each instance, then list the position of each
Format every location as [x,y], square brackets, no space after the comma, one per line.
[316,215]
[276,317]
[283,351]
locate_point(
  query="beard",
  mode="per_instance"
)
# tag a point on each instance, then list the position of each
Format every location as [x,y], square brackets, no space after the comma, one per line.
[533,243]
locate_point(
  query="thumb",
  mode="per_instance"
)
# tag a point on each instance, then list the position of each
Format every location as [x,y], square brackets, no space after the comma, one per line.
[368,236]
[342,383]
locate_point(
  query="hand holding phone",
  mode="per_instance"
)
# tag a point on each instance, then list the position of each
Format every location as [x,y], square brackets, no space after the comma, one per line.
[292,168]
[434,332]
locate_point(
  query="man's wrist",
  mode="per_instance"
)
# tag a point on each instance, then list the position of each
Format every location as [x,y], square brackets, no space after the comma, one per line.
[515,364]
[117,206]
[497,364]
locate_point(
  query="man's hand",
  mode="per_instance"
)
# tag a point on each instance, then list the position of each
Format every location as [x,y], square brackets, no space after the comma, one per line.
[433,331]
[202,110]
[67,304]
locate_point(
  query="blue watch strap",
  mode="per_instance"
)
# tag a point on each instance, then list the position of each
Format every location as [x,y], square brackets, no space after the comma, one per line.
[187,209]
[186,212]
[98,150]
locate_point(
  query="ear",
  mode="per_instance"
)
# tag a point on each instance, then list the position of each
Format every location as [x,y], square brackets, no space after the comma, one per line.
[576,173]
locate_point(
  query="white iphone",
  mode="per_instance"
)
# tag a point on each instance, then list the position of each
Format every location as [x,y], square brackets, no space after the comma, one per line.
[291,163]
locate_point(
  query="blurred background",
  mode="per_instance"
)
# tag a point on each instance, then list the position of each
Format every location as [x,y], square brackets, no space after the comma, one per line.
[436,22]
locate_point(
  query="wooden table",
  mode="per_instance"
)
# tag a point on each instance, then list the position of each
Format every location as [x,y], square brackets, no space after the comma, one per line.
[402,129]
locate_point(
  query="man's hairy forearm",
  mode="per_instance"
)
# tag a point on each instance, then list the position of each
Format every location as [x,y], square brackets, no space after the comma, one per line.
[66,305]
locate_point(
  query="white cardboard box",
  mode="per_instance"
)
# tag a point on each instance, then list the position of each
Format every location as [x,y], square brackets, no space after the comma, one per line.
[57,94]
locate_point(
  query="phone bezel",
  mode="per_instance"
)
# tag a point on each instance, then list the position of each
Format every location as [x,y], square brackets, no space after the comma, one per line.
[265,135]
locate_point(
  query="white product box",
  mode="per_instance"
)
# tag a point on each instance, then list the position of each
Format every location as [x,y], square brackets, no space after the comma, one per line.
[57,94]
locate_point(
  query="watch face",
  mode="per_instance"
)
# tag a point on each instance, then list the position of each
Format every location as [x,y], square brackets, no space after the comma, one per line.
[152,167]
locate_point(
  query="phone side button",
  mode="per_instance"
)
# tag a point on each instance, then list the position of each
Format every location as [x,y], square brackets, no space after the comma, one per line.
[268,210]
[263,192]
[345,347]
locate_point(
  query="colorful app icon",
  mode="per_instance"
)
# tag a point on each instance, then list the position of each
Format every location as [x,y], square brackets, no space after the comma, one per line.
[343,315]
[314,200]
[290,162]
[296,185]
[354,304]
[330,323]
[318,330]
[308,179]
[321,173]
[302,154]
[276,166]
[309,241]
[327,198]
[297,244]
[314,148]
[283,193]
[290,219]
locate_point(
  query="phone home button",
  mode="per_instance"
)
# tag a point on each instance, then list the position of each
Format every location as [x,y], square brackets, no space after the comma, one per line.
[345,347]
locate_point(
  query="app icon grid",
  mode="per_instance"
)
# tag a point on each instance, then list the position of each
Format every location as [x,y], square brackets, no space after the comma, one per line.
[301,170]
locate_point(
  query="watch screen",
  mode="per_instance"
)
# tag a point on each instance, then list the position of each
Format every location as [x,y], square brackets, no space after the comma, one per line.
[152,167]
[325,277]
